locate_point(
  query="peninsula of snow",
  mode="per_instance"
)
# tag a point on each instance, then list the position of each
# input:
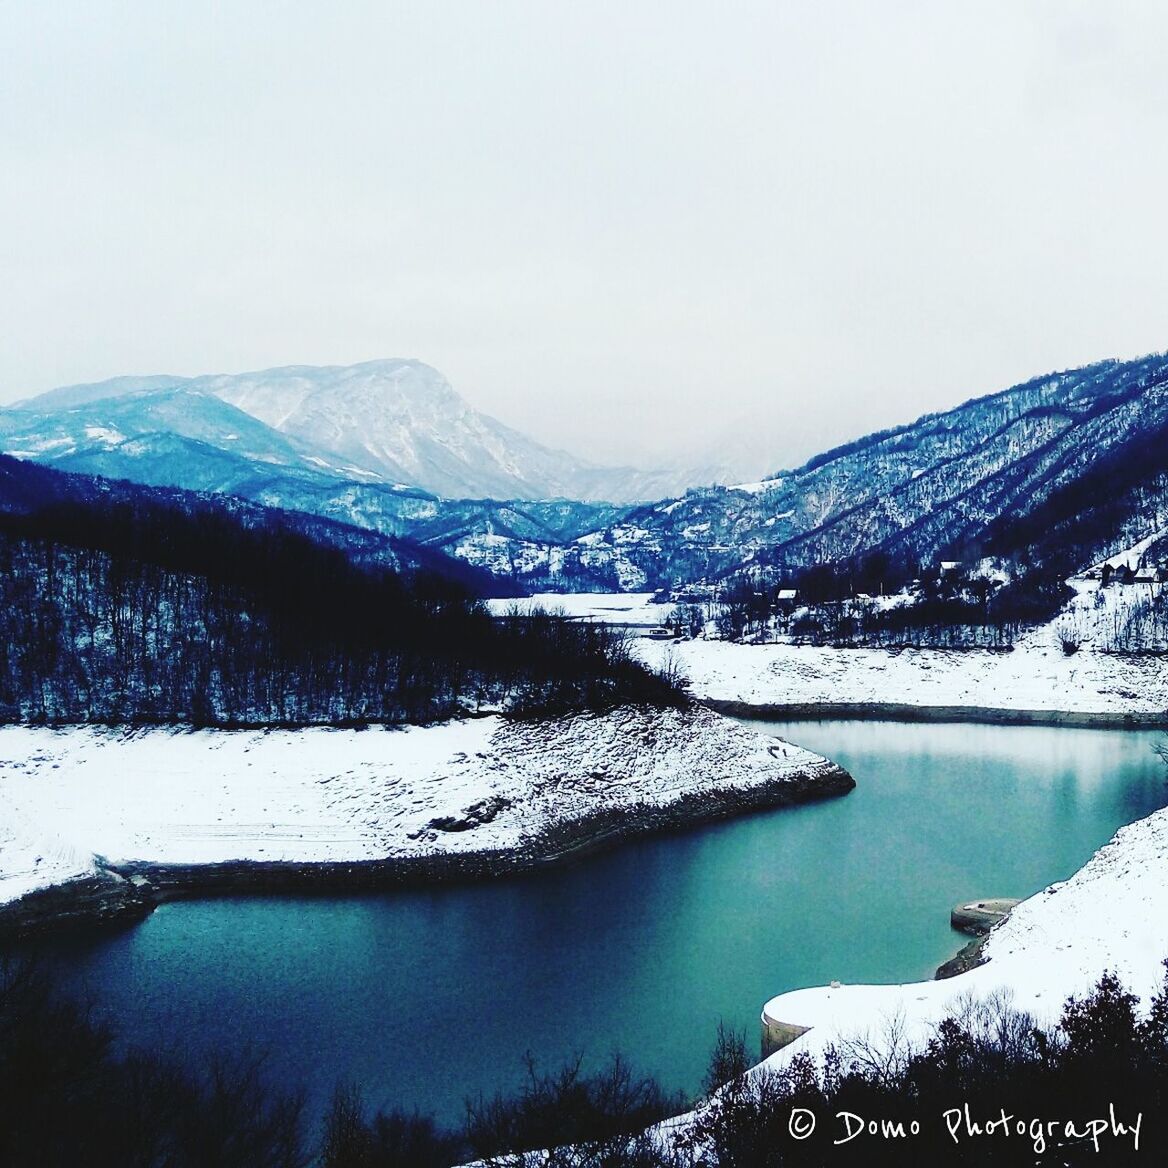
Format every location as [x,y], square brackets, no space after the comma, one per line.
[462,798]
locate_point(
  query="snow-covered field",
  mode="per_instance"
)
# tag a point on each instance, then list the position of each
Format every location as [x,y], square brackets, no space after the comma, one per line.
[199,797]
[1037,675]
[1111,915]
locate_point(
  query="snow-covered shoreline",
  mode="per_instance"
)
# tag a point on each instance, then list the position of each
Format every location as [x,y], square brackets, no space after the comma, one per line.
[1036,682]
[126,816]
[1111,915]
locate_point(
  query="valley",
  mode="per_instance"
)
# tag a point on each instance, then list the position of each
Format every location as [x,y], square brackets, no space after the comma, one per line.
[263,641]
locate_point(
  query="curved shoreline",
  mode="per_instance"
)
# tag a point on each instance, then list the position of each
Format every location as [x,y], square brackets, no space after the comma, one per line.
[907,712]
[129,891]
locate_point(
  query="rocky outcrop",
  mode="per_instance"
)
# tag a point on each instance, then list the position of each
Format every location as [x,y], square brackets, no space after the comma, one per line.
[968,957]
[103,898]
[978,917]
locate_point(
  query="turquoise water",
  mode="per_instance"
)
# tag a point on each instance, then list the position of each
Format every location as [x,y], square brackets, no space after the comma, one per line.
[428,998]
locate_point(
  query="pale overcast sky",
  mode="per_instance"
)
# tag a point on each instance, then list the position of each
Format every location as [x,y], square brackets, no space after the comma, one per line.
[622,227]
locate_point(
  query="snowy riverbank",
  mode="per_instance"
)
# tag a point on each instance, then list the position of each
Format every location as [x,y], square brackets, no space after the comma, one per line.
[242,809]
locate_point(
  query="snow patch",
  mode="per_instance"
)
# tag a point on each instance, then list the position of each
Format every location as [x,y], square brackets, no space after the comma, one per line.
[759,487]
[105,435]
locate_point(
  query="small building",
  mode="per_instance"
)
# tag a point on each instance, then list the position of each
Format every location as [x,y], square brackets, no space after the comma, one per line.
[695,593]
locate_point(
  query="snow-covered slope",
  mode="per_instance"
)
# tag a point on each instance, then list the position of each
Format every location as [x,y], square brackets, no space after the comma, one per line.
[174,435]
[1061,469]
[208,797]
[404,418]
[945,479]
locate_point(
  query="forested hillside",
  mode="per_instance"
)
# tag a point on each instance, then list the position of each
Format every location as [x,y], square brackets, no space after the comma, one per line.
[126,605]
[947,483]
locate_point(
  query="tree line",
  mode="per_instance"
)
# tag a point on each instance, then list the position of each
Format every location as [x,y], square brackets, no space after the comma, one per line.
[836,604]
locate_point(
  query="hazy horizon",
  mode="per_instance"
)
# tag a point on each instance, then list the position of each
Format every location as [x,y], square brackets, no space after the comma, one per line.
[634,231]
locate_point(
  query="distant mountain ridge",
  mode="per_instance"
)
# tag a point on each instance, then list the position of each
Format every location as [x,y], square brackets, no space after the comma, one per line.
[28,489]
[174,433]
[394,419]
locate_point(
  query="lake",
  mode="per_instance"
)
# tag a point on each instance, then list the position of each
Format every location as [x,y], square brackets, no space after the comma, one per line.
[426,998]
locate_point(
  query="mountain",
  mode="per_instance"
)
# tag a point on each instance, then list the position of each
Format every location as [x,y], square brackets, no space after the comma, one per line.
[1072,466]
[166,432]
[1083,452]
[397,421]
[170,432]
[128,415]
[944,482]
